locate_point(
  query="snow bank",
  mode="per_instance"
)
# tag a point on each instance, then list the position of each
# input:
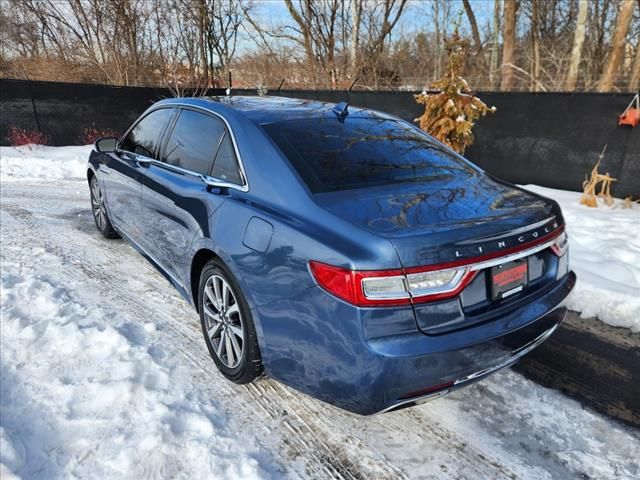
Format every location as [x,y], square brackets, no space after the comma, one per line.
[38,162]
[85,399]
[604,249]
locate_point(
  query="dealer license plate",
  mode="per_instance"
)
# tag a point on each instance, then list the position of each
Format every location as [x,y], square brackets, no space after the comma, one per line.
[509,278]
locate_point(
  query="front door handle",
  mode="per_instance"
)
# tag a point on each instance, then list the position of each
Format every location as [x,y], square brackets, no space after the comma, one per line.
[143,161]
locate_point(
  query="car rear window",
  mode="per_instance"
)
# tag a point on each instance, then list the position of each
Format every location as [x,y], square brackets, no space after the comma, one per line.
[361,152]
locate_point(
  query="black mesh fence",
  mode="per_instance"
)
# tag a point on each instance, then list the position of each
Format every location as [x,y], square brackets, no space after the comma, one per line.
[550,139]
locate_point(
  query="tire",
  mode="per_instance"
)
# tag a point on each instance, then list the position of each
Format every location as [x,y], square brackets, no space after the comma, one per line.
[100,216]
[227,325]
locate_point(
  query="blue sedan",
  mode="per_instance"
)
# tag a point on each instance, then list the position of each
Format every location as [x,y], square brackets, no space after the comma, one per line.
[339,250]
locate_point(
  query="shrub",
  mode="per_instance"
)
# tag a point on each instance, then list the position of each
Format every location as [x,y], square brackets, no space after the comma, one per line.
[90,134]
[451,108]
[18,137]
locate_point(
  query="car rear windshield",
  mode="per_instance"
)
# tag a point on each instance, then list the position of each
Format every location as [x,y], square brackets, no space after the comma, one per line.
[361,152]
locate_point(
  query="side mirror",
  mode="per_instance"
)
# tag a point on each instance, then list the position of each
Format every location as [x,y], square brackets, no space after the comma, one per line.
[106,144]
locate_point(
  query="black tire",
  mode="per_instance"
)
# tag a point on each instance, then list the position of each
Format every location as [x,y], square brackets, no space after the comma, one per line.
[225,323]
[100,215]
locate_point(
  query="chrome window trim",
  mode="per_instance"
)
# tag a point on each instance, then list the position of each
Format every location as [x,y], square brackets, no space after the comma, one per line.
[209,180]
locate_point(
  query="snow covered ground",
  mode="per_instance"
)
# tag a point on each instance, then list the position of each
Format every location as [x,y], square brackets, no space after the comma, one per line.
[104,374]
[604,249]
[32,162]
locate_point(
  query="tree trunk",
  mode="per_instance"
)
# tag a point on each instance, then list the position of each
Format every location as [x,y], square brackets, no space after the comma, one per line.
[578,42]
[535,48]
[356,12]
[475,33]
[616,53]
[303,23]
[202,41]
[634,82]
[509,44]
[496,42]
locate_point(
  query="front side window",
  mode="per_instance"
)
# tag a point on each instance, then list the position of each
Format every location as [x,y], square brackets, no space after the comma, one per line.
[143,138]
[362,152]
[194,141]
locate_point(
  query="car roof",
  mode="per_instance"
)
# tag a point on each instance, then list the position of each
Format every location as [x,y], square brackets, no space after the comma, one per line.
[271,109]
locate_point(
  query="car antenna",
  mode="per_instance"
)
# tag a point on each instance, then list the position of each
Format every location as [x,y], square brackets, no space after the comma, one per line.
[341,111]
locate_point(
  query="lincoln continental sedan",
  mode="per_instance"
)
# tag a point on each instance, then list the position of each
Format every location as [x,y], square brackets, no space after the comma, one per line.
[339,250]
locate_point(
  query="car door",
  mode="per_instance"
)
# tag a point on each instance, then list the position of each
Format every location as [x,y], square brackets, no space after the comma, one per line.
[176,200]
[124,169]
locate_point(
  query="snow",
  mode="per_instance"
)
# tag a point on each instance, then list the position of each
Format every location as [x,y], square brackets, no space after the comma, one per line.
[604,251]
[105,375]
[46,163]
[77,388]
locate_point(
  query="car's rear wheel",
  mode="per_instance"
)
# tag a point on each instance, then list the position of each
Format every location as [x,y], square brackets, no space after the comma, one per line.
[99,211]
[227,325]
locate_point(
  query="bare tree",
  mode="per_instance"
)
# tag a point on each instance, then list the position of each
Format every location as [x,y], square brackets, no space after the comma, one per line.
[441,18]
[509,44]
[634,81]
[535,47]
[493,68]
[578,42]
[317,22]
[356,18]
[380,20]
[476,34]
[222,24]
[191,45]
[625,14]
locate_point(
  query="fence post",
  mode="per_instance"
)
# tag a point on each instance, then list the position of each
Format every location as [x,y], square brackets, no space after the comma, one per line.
[33,102]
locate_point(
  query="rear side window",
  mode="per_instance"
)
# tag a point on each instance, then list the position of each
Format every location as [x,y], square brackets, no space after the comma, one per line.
[194,141]
[143,138]
[226,164]
[362,152]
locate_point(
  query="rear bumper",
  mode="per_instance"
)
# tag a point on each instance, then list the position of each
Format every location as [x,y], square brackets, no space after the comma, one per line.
[440,390]
[340,354]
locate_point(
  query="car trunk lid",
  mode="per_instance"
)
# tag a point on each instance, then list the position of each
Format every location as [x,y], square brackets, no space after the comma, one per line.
[444,220]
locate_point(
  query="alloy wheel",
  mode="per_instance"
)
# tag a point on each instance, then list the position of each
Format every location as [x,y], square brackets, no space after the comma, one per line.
[99,212]
[223,321]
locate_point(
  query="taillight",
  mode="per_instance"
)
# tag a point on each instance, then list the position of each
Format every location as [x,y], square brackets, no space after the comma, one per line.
[560,245]
[427,283]
[390,287]
[335,280]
